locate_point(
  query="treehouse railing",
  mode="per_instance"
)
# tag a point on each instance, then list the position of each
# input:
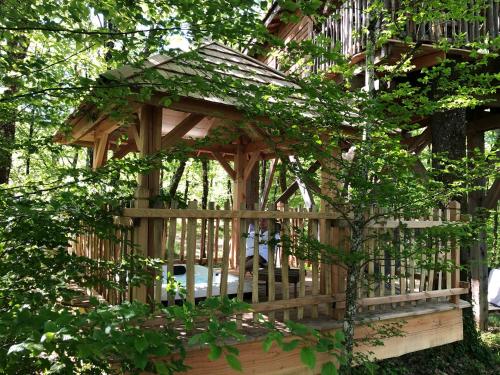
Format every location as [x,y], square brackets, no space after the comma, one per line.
[405,260]
[344,27]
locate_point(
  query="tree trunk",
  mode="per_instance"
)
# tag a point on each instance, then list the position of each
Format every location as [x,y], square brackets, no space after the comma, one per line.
[478,251]
[448,131]
[90,157]
[186,191]
[74,162]
[17,48]
[282,176]
[358,223]
[351,290]
[263,178]
[30,141]
[176,179]
[7,135]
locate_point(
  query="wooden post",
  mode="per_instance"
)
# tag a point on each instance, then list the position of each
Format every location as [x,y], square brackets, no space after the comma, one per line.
[148,185]
[239,199]
[331,274]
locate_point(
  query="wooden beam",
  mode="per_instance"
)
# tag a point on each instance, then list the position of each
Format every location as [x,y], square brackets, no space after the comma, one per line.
[134,134]
[201,146]
[106,126]
[180,130]
[83,126]
[490,121]
[251,163]
[493,195]
[200,106]
[428,60]
[224,164]
[268,184]
[419,142]
[100,148]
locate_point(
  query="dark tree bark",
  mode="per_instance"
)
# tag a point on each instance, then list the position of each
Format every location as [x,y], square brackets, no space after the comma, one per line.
[74,162]
[176,179]
[30,140]
[448,130]
[17,48]
[7,135]
[90,157]
[263,177]
[478,251]
[282,175]
[186,191]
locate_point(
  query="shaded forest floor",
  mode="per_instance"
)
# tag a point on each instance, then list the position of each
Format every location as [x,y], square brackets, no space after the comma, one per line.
[478,354]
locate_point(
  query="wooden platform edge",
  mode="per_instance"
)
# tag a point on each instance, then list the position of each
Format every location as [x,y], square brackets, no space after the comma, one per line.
[434,327]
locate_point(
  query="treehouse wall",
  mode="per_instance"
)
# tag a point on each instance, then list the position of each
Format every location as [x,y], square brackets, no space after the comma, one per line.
[421,332]
[291,32]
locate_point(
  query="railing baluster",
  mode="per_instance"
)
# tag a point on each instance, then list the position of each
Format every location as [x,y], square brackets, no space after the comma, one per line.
[285,286]
[255,263]
[271,280]
[210,251]
[225,253]
[191,255]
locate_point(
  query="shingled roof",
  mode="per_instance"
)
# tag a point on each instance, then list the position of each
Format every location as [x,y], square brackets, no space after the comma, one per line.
[206,64]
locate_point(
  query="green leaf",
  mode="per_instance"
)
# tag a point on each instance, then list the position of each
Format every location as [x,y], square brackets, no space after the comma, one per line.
[194,340]
[215,352]
[166,102]
[308,357]
[48,337]
[141,344]
[232,349]
[291,345]
[140,361]
[328,368]
[339,335]
[233,362]
[161,368]
[49,326]
[266,345]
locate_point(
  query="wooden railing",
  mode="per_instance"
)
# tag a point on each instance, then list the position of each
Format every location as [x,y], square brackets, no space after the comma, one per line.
[114,250]
[345,27]
[394,271]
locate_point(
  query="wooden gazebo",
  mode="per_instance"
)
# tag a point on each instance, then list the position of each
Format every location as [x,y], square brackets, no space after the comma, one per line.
[157,125]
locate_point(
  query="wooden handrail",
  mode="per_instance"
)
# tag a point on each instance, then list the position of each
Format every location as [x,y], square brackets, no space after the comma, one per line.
[165,213]
[372,301]
[224,214]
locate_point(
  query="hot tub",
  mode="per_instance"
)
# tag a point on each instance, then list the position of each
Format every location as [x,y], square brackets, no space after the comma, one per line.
[201,282]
